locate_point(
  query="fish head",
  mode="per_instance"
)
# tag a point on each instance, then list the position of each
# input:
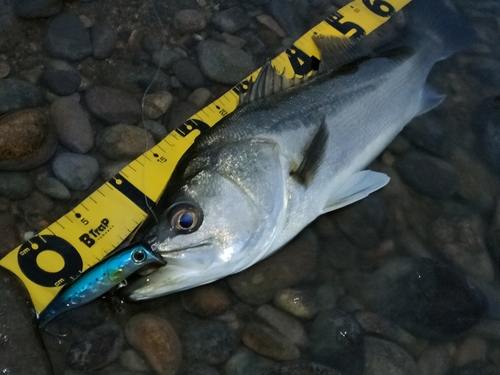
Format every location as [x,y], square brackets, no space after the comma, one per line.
[215,223]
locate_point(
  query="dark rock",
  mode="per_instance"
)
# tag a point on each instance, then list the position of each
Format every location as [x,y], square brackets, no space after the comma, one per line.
[487,120]
[37,8]
[180,112]
[66,37]
[112,105]
[96,348]
[15,185]
[206,300]
[188,21]
[284,12]
[10,30]
[72,125]
[475,368]
[289,327]
[426,297]
[245,362]
[123,141]
[76,172]
[188,73]
[9,233]
[61,82]
[426,133]
[384,357]
[16,94]
[428,175]
[19,333]
[208,341]
[157,130]
[301,368]
[292,264]
[199,369]
[150,43]
[231,20]
[336,340]
[53,188]
[269,343]
[155,105]
[223,63]
[165,57]
[103,40]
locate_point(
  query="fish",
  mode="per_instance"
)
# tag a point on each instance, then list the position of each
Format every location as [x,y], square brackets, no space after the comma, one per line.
[294,150]
[101,278]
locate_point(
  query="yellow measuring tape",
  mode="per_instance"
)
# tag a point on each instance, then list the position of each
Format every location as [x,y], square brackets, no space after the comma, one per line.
[98,225]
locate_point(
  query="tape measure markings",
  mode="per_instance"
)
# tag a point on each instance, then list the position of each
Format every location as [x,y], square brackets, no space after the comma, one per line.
[141,200]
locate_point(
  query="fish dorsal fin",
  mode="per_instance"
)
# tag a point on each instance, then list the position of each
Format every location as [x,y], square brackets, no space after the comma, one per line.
[269,82]
[313,156]
[337,52]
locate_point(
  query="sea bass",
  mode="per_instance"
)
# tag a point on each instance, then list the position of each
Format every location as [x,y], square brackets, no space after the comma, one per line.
[286,156]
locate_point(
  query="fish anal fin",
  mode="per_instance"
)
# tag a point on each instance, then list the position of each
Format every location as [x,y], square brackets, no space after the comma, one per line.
[430,99]
[313,156]
[357,187]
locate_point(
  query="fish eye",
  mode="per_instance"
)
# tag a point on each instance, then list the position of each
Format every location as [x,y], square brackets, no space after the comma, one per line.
[139,256]
[185,218]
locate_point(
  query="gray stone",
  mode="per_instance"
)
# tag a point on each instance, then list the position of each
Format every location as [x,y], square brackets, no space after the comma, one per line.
[208,341]
[285,13]
[426,133]
[15,94]
[180,112]
[188,21]
[4,70]
[61,82]
[245,362]
[66,37]
[199,369]
[231,20]
[103,40]
[72,125]
[19,333]
[165,57]
[384,357]
[123,141]
[302,368]
[155,105]
[337,341]
[428,175]
[10,30]
[475,368]
[76,172]
[53,188]
[15,185]
[112,105]
[223,63]
[283,323]
[188,73]
[157,130]
[37,8]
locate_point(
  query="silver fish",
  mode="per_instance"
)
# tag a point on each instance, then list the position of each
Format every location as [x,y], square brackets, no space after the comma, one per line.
[288,155]
[99,279]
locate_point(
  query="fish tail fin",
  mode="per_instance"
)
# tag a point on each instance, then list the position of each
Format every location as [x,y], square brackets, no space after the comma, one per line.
[448,30]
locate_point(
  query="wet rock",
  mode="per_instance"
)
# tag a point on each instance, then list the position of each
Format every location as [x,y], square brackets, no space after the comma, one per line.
[123,141]
[271,24]
[199,369]
[231,20]
[72,125]
[132,361]
[200,97]
[165,57]
[223,63]
[436,360]
[180,112]
[384,357]
[96,348]
[61,82]
[472,349]
[111,169]
[10,30]
[302,368]
[103,41]
[233,41]
[19,333]
[269,343]
[245,362]
[291,265]
[296,302]
[336,340]
[37,8]
[426,133]
[53,188]
[112,105]
[15,185]
[157,341]
[188,73]
[458,235]
[189,21]
[9,233]
[206,300]
[155,105]
[4,70]
[66,37]
[426,297]
[157,130]
[476,368]
[208,341]
[428,175]
[15,94]
[286,325]
[341,253]
[284,12]
[76,172]
[325,297]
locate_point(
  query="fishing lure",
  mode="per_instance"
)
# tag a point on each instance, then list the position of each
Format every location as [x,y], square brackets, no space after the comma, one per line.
[99,279]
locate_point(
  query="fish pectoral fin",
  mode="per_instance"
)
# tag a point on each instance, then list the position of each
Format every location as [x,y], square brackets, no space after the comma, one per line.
[313,156]
[430,100]
[357,187]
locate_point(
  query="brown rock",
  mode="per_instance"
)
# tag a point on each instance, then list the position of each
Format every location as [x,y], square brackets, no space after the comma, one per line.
[8,233]
[155,105]
[157,341]
[189,21]
[473,348]
[289,266]
[205,300]
[271,24]
[269,343]
[112,105]
[124,141]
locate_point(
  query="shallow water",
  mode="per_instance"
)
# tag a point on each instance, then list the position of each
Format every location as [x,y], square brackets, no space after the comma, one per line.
[403,282]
